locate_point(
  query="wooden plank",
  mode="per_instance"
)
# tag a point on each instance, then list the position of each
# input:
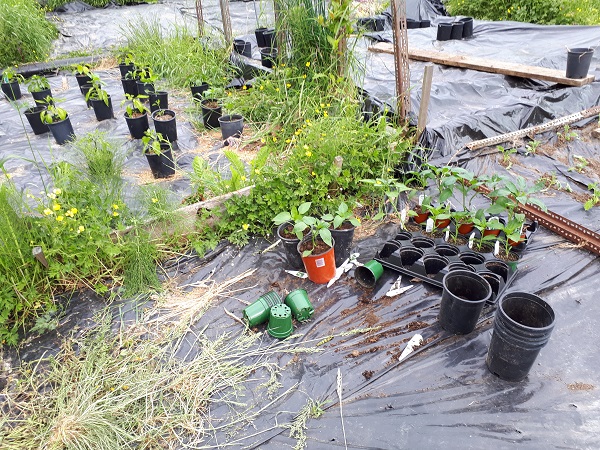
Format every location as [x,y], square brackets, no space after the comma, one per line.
[487,65]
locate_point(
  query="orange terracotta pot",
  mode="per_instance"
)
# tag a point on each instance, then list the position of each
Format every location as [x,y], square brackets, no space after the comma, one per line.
[515,243]
[465,228]
[491,232]
[422,217]
[441,224]
[319,268]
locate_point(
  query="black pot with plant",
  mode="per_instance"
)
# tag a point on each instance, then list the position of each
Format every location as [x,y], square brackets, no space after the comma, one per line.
[198,88]
[83,74]
[159,154]
[10,84]
[126,65]
[100,100]
[34,118]
[211,111]
[59,123]
[39,88]
[158,100]
[129,84]
[136,116]
[269,37]
[342,228]
[291,226]
[165,123]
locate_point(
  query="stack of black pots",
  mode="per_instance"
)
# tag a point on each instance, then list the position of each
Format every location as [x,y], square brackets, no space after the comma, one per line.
[265,39]
[459,29]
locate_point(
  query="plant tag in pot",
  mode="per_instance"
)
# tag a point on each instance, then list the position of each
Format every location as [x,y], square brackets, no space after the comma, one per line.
[429,226]
[471,239]
[403,218]
[421,198]
[496,248]
[447,234]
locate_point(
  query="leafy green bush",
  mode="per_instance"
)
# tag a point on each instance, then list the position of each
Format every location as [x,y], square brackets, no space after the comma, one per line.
[551,12]
[25,33]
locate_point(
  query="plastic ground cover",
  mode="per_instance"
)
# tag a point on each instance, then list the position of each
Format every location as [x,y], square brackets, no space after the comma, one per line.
[443,395]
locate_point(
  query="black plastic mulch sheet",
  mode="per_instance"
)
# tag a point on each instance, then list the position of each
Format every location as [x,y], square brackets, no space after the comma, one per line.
[467,105]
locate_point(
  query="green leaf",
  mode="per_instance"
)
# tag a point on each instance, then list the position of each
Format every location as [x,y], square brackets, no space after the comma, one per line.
[343,208]
[326,236]
[281,217]
[337,221]
[304,207]
[327,217]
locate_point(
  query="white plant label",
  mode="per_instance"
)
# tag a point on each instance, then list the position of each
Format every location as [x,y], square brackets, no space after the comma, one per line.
[403,216]
[429,226]
[471,240]
[494,218]
[320,262]
[496,248]
[421,198]
[447,234]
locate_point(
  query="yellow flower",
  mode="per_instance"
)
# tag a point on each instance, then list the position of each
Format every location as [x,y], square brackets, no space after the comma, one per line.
[307,63]
[47,211]
[261,88]
[9,175]
[229,94]
[125,387]
[276,89]
[263,141]
[243,178]
[154,200]
[313,173]
[257,171]
[56,207]
[244,87]
[304,76]
[328,105]
[57,191]
[245,226]
[305,147]
[322,105]
[308,153]
[115,206]
[288,85]
[81,229]
[325,114]
[115,214]
[60,218]
[298,131]
[287,141]
[274,139]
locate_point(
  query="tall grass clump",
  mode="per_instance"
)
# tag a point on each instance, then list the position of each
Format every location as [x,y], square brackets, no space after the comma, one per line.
[25,33]
[550,12]
[176,55]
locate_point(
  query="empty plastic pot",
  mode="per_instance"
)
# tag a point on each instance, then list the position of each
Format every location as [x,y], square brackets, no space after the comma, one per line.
[231,126]
[268,57]
[467,31]
[343,243]
[444,31]
[300,305]
[578,62]
[259,311]
[280,321]
[522,326]
[463,298]
[457,30]
[368,274]
[243,47]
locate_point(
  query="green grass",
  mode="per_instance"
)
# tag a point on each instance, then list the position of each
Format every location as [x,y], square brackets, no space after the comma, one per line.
[552,12]
[25,33]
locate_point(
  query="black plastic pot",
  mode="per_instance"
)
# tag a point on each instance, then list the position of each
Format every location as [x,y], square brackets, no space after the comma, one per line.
[259,33]
[40,97]
[12,91]
[159,100]
[463,298]
[126,68]
[197,91]
[33,116]
[210,116]
[290,245]
[457,30]
[578,62]
[268,57]
[102,110]
[375,23]
[243,47]
[231,126]
[522,326]
[62,131]
[137,125]
[467,31]
[144,88]
[343,244]
[168,128]
[269,37]
[162,166]
[425,24]
[82,79]
[411,24]
[444,31]
[129,86]
[84,90]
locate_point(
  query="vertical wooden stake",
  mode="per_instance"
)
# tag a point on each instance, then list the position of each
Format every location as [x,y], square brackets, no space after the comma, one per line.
[200,18]
[226,21]
[425,94]
[401,59]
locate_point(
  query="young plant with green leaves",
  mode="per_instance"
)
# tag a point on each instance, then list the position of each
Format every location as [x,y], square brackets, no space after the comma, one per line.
[392,189]
[298,218]
[135,107]
[10,75]
[152,142]
[341,215]
[208,182]
[96,92]
[37,83]
[53,114]
[594,197]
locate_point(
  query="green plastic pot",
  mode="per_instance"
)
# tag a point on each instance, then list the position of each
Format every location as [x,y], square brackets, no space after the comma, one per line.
[280,321]
[258,312]
[300,305]
[368,274]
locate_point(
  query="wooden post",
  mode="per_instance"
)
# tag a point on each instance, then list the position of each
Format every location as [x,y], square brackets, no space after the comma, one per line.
[226,21]
[401,59]
[200,18]
[425,94]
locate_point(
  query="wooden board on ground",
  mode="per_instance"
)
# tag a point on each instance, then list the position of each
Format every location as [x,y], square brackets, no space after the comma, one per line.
[486,65]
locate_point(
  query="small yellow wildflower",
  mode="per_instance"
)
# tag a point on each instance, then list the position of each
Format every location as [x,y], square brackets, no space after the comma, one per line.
[287,141]
[325,114]
[57,191]
[378,182]
[322,105]
[51,195]
[56,207]
[274,139]
[243,178]
[244,87]
[257,171]
[48,211]
[115,214]
[308,153]
[74,211]
[81,229]
[245,227]
[304,76]
[60,218]
[313,173]
[125,387]
[263,141]
[115,206]
[261,88]
[307,63]
[276,89]
[154,200]
[288,85]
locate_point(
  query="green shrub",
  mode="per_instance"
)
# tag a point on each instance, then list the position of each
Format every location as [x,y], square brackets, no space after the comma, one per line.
[25,33]
[551,12]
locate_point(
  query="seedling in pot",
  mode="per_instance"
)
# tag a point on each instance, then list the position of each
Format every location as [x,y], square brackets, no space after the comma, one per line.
[96,91]
[53,114]
[296,216]
[510,195]
[152,142]
[343,214]
[319,231]
[136,108]
[488,227]
[513,232]
[9,75]
[440,215]
[37,83]
[145,75]
[393,188]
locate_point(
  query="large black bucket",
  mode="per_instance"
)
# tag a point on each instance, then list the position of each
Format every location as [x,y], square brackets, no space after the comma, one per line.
[522,326]
[463,298]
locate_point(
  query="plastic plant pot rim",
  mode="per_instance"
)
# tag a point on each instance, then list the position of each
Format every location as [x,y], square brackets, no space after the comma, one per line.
[541,302]
[474,277]
[231,118]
